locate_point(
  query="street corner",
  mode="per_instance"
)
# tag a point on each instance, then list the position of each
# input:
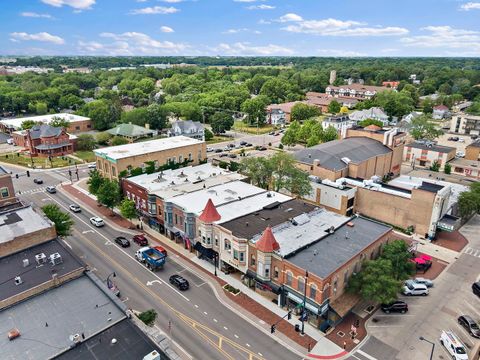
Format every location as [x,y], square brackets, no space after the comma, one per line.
[451,240]
[326,357]
[349,332]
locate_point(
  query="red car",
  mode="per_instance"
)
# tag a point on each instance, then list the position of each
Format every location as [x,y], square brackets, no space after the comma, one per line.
[161,249]
[140,240]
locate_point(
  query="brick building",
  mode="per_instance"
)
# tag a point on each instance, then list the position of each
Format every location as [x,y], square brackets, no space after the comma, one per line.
[45,140]
[7,192]
[76,123]
[179,149]
[472,151]
[425,154]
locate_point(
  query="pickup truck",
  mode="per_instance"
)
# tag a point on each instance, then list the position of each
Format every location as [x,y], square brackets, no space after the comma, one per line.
[151,257]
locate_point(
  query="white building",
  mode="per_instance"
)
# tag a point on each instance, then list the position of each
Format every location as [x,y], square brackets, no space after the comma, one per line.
[276,117]
[189,128]
[339,122]
[374,113]
[77,123]
[463,123]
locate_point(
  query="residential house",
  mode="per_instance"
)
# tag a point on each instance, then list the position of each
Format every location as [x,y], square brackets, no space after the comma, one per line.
[132,132]
[391,84]
[276,117]
[322,100]
[472,151]
[339,122]
[189,128]
[374,113]
[426,153]
[286,108]
[440,112]
[358,91]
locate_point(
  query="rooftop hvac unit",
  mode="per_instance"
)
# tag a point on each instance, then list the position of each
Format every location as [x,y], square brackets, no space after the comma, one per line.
[26,262]
[346,160]
[40,258]
[154,355]
[55,259]
[18,280]
[75,338]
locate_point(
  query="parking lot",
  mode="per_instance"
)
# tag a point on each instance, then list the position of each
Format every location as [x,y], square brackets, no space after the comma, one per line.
[396,336]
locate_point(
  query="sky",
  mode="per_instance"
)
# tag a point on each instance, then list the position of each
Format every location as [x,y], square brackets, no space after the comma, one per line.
[241,27]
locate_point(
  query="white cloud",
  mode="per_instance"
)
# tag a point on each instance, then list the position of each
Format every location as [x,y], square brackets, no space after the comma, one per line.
[140,1]
[470,6]
[41,36]
[340,53]
[35,15]
[446,37]
[241,30]
[76,4]
[260,7]
[155,10]
[130,43]
[166,29]
[334,27]
[246,49]
[290,17]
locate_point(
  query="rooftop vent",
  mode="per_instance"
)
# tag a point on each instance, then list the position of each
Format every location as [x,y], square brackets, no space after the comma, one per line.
[309,156]
[346,160]
[172,183]
[114,341]
[331,229]
[13,334]
[315,252]
[269,194]
[75,338]
[40,258]
[351,224]
[18,280]
[55,259]
[26,262]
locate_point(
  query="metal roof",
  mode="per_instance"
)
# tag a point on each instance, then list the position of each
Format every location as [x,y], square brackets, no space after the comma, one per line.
[130,130]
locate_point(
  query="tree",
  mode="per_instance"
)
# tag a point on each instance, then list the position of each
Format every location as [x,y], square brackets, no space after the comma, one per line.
[469,201]
[28,124]
[368,122]
[221,122]
[276,90]
[156,116]
[127,209]
[258,170]
[435,166]
[375,282]
[474,109]
[291,135]
[119,140]
[255,109]
[301,111]
[59,122]
[138,116]
[62,220]
[428,106]
[399,256]
[85,142]
[329,134]
[94,182]
[423,127]
[41,108]
[334,107]
[148,317]
[102,112]
[103,138]
[447,168]
[208,135]
[343,110]
[109,193]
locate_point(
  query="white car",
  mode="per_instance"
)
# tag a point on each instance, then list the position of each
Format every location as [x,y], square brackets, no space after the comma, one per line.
[92,166]
[427,282]
[210,149]
[453,345]
[412,288]
[75,208]
[461,140]
[98,222]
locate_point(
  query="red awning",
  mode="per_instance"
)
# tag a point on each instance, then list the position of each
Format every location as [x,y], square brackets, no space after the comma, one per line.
[426,257]
[419,261]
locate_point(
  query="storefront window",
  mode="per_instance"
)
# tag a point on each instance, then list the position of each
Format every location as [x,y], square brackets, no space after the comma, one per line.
[301,284]
[242,256]
[4,192]
[228,245]
[289,278]
[235,254]
[313,291]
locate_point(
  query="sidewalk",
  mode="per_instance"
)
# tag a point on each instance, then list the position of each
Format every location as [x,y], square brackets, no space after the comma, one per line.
[259,311]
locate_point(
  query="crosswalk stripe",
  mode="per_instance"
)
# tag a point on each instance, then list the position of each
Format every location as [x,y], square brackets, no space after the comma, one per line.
[366,355]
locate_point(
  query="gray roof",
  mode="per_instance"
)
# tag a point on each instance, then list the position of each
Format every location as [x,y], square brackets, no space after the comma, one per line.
[52,146]
[335,250]
[130,130]
[131,343]
[372,113]
[330,154]
[33,274]
[431,147]
[337,118]
[188,126]
[17,222]
[42,131]
[76,307]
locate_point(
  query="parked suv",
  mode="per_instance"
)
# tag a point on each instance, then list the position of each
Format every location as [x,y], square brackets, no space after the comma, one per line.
[453,345]
[476,288]
[140,239]
[98,222]
[413,288]
[51,189]
[427,282]
[396,306]
[470,325]
[180,282]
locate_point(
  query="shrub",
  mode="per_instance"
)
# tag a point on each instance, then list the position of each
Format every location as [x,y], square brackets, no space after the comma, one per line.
[148,317]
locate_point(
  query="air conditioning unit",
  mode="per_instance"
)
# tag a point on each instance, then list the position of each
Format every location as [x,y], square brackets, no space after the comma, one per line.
[18,280]
[75,338]
[40,258]
[55,259]
[25,262]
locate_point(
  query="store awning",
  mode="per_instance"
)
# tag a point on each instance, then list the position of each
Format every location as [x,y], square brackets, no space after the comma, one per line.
[267,284]
[204,251]
[299,301]
[343,304]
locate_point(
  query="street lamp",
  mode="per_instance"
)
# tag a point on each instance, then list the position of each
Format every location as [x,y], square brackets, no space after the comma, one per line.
[108,279]
[304,313]
[428,341]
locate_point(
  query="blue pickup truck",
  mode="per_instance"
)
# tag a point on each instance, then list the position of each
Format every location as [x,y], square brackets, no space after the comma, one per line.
[151,257]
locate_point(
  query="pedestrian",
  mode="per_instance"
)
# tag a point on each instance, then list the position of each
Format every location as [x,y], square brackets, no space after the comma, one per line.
[344,345]
[309,347]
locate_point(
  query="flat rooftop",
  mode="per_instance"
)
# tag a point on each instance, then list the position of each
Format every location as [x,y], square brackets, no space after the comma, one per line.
[255,223]
[131,343]
[145,147]
[195,202]
[76,307]
[334,250]
[431,147]
[21,221]
[34,274]
[16,123]
[170,179]
[304,229]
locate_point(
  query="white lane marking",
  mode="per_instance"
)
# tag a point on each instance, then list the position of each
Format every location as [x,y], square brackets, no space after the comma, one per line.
[108,242]
[260,354]
[87,231]
[247,344]
[366,355]
[205,313]
[236,336]
[70,246]
[125,300]
[225,328]
[196,306]
[150,283]
[215,320]
[200,284]
[120,249]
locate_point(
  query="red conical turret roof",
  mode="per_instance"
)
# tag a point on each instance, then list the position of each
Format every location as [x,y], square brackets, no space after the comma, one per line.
[267,242]
[210,213]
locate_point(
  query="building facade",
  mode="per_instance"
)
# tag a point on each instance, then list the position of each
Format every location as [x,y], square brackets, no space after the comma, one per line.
[276,117]
[7,192]
[45,140]
[76,123]
[111,161]
[425,154]
[463,123]
[189,128]
[472,151]
[358,91]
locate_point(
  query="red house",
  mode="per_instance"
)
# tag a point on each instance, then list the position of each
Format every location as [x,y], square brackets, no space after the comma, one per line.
[45,140]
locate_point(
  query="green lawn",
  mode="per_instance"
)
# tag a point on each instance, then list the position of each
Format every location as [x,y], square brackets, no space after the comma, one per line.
[39,163]
[242,127]
[87,156]
[217,139]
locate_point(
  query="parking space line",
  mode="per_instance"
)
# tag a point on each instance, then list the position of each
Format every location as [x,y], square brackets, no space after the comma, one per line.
[366,355]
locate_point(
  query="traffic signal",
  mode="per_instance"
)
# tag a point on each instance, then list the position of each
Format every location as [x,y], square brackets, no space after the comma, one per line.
[272,329]
[289,314]
[16,175]
[28,173]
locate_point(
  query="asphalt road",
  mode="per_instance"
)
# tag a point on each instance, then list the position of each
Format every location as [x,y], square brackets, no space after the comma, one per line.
[396,336]
[200,324]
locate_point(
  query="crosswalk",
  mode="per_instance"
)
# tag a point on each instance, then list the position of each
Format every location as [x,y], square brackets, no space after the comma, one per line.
[471,251]
[31,191]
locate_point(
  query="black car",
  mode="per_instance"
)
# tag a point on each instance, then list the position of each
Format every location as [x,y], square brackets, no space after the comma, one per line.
[180,282]
[396,306]
[232,156]
[243,143]
[470,325]
[476,288]
[222,155]
[38,181]
[120,240]
[262,148]
[218,150]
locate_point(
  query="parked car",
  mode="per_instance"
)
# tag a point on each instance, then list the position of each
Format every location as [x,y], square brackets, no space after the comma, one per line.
[476,288]
[277,133]
[461,140]
[92,166]
[232,145]
[209,149]
[412,288]
[51,189]
[271,133]
[75,208]
[460,154]
[98,222]
[453,138]
[226,148]
[453,345]
[262,148]
[218,150]
[38,181]
[470,325]
[427,282]
[180,282]
[473,137]
[161,249]
[222,155]
[243,143]
[123,242]
[396,306]
[249,144]
[140,239]
[232,156]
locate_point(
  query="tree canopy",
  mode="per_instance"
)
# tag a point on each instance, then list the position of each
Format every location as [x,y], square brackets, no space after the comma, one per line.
[423,127]
[62,220]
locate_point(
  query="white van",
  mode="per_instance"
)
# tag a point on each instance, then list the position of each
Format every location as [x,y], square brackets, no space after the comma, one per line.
[453,345]
[413,288]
